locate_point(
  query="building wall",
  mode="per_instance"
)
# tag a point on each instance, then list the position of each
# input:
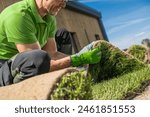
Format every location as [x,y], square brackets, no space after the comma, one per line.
[83,27]
[5,3]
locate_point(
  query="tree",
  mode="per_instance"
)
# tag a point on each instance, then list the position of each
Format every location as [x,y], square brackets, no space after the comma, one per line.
[146,42]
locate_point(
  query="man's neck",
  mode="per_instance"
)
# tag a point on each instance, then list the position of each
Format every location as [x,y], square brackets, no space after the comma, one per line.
[41,10]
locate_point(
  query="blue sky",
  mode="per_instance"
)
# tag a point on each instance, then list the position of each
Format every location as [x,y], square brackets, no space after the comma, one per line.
[126,22]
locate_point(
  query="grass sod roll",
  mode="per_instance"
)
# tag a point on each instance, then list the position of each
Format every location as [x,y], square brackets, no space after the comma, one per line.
[117,75]
[74,86]
[121,87]
[114,62]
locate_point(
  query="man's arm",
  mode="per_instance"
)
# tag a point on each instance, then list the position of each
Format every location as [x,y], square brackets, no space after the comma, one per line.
[59,60]
[26,47]
[51,48]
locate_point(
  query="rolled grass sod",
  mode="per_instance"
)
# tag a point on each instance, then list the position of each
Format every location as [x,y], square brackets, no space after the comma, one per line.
[78,86]
[114,62]
[117,75]
[74,86]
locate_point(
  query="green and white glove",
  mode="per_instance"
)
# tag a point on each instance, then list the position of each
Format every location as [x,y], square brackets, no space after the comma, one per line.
[89,57]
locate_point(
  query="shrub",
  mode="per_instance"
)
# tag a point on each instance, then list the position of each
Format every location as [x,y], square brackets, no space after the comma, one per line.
[138,51]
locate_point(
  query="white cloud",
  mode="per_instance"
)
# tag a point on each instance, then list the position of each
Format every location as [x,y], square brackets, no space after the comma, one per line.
[129,27]
[139,34]
[138,16]
[147,27]
[122,24]
[126,41]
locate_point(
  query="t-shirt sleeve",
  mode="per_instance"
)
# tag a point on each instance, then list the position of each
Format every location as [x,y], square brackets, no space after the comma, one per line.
[20,30]
[53,28]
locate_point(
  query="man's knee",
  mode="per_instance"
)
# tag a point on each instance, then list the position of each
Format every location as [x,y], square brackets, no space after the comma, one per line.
[42,61]
[30,63]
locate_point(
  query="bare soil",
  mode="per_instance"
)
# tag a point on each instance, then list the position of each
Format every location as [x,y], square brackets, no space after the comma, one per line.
[144,95]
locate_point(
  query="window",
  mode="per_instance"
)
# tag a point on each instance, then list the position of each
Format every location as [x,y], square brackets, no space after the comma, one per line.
[75,43]
[97,37]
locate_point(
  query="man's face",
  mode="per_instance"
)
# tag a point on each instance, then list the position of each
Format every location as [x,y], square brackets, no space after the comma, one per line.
[54,6]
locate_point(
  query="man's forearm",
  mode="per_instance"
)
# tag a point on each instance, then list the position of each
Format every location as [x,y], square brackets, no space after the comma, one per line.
[60,63]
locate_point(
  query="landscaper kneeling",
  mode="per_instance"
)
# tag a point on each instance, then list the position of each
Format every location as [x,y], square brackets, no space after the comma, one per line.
[28,47]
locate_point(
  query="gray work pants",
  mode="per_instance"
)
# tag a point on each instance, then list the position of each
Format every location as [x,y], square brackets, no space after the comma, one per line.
[24,65]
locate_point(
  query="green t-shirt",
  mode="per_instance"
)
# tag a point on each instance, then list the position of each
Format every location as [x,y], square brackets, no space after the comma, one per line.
[21,23]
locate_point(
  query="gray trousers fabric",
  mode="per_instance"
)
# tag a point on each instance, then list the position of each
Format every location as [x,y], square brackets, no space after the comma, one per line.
[24,65]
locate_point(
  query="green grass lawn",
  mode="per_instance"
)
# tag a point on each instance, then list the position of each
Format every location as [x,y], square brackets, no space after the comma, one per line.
[78,86]
[119,87]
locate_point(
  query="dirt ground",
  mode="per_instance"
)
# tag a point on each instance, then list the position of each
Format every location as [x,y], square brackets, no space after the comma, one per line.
[144,95]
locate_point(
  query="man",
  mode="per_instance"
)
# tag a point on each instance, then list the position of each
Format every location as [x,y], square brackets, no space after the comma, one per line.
[28,47]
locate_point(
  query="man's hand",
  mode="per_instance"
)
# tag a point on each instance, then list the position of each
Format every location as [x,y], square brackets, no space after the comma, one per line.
[89,57]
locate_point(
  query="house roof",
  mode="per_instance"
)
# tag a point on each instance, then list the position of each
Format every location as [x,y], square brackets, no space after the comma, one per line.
[79,7]
[83,8]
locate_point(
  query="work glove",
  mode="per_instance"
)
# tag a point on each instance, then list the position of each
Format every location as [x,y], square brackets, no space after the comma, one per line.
[91,56]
